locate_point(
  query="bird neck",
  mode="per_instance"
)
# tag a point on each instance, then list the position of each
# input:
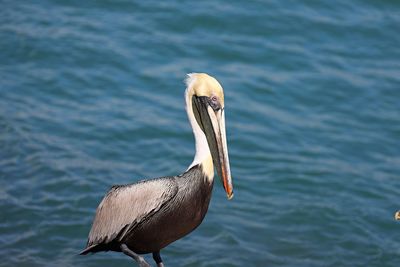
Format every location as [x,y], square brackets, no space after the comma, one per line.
[203,154]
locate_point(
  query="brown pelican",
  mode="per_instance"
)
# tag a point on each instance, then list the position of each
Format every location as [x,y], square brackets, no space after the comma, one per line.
[146,216]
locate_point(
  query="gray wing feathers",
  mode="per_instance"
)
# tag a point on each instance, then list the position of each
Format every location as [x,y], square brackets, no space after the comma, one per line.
[124,206]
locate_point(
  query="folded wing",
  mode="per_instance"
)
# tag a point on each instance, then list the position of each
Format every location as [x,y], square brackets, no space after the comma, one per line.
[126,206]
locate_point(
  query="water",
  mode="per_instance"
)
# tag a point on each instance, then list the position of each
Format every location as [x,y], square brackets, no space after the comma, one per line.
[91,95]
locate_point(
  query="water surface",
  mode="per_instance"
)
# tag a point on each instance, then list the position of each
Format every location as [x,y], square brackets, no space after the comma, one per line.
[91,95]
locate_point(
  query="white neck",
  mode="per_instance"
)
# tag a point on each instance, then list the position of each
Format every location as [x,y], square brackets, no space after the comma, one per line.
[203,155]
[202,151]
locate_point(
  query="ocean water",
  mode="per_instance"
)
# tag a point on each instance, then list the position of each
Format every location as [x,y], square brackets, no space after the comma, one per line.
[91,95]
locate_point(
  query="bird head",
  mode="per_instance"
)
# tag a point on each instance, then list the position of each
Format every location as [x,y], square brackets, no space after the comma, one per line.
[205,99]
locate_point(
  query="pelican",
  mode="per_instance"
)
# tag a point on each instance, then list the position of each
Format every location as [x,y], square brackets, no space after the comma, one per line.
[146,216]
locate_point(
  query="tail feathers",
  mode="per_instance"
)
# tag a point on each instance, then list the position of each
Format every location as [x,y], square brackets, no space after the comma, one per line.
[88,249]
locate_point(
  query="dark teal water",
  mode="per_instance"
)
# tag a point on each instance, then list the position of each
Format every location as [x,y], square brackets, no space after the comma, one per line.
[91,95]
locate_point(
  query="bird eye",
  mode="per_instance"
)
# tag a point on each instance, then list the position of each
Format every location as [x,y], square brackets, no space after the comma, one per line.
[214,103]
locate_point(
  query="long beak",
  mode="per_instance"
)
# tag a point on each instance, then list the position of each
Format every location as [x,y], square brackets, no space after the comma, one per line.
[213,125]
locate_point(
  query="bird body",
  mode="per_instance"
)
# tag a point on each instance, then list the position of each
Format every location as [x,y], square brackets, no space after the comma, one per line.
[146,216]
[168,209]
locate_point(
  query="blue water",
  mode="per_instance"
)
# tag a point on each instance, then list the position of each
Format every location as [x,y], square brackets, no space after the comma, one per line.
[91,95]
